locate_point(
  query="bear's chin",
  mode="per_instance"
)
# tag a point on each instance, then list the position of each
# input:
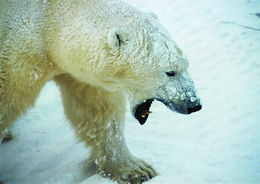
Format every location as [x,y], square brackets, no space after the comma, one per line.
[142,111]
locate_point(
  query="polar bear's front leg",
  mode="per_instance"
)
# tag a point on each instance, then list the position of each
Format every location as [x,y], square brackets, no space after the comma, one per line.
[98,118]
[114,159]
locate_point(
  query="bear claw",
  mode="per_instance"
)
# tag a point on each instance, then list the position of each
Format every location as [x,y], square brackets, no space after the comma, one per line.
[131,172]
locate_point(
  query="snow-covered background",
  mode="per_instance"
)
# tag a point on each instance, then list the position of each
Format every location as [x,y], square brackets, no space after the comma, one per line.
[220,144]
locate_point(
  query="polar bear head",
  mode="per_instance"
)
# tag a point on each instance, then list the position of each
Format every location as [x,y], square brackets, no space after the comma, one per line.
[152,67]
[126,50]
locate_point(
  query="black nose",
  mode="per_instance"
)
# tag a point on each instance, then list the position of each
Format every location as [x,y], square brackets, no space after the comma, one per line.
[194,109]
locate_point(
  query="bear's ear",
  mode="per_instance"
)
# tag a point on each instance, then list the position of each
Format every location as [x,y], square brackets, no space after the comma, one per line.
[116,38]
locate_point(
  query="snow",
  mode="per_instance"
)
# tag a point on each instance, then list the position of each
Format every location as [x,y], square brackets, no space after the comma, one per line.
[219,144]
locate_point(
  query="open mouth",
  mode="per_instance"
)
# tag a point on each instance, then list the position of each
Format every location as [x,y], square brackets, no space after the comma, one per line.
[142,111]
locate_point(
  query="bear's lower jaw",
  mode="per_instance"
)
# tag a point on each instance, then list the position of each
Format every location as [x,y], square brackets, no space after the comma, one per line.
[142,111]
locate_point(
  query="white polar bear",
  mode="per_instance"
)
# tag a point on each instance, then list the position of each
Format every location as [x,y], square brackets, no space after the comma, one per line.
[99,52]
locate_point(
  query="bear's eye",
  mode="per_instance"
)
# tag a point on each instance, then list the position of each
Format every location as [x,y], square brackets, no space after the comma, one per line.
[171,73]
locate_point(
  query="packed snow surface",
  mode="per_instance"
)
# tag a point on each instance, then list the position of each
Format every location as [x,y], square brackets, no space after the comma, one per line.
[219,144]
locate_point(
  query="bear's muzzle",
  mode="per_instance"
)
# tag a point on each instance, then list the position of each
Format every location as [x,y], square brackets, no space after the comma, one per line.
[142,110]
[183,107]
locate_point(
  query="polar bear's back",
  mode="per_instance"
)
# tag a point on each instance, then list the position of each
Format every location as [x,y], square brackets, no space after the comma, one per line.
[20,26]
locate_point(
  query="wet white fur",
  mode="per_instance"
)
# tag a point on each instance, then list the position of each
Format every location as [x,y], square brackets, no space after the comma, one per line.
[75,42]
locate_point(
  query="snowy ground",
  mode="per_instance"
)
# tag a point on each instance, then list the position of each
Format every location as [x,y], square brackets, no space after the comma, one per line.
[220,144]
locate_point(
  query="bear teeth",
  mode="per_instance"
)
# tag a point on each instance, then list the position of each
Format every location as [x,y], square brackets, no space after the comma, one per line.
[146,113]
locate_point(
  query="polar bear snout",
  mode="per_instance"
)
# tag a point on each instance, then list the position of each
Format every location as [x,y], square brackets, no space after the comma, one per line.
[187,107]
[142,110]
[193,108]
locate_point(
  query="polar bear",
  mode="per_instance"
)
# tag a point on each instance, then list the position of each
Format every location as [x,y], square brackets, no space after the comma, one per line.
[102,54]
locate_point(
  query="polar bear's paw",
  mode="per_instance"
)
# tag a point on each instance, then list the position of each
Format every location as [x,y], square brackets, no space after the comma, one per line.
[131,171]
